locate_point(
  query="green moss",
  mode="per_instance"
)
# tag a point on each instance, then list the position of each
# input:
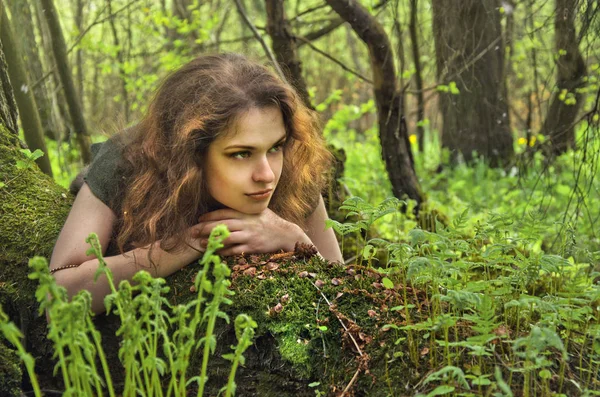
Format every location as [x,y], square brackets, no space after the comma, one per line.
[296,352]
[10,372]
[32,211]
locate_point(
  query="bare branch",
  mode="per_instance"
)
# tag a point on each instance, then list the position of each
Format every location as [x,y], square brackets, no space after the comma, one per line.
[264,45]
[346,68]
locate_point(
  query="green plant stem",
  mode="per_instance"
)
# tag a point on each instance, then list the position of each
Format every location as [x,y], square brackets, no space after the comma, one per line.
[63,367]
[101,355]
[209,333]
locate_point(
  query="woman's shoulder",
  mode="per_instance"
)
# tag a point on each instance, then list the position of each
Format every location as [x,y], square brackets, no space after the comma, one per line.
[106,175]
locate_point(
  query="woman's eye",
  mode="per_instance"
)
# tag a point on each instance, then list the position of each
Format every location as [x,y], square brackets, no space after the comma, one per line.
[240,155]
[276,148]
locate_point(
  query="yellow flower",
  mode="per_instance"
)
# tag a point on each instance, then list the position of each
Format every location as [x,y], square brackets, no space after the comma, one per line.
[522,141]
[412,139]
[532,141]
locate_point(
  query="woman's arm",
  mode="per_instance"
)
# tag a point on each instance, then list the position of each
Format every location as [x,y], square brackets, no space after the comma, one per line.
[323,238]
[267,232]
[88,215]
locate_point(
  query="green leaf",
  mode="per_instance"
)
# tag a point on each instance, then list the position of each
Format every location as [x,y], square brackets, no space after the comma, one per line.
[387,283]
[36,154]
[481,381]
[545,374]
[453,88]
[21,164]
[441,391]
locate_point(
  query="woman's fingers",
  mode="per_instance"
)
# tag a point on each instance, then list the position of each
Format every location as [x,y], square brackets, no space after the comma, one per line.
[234,250]
[203,229]
[236,238]
[220,215]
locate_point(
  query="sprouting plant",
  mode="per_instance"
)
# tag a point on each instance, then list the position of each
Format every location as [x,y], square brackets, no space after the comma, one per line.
[24,164]
[12,334]
[244,332]
[450,376]
[534,349]
[29,158]
[75,339]
[365,216]
[157,339]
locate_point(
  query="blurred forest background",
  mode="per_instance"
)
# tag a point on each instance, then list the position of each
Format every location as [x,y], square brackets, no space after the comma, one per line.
[485,114]
[468,84]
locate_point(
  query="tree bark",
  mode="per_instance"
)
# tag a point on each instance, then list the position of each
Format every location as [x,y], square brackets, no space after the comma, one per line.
[8,105]
[284,47]
[392,128]
[120,60]
[56,96]
[28,110]
[565,105]
[414,40]
[470,52]
[79,52]
[60,54]
[22,17]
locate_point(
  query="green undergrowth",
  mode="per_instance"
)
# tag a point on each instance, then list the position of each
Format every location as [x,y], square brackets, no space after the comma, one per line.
[451,312]
[445,313]
[156,340]
[560,194]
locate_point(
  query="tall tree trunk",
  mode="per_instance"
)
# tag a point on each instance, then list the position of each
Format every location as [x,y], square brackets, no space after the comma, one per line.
[559,122]
[414,40]
[58,112]
[120,60]
[8,105]
[22,17]
[78,53]
[28,112]
[284,47]
[392,128]
[60,55]
[470,52]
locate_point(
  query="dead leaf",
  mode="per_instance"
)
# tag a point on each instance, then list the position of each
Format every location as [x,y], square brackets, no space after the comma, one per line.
[251,271]
[275,309]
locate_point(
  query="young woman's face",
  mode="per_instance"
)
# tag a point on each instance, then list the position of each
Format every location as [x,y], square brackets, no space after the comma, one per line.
[243,167]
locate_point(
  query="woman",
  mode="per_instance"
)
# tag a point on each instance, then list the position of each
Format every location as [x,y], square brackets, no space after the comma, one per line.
[223,142]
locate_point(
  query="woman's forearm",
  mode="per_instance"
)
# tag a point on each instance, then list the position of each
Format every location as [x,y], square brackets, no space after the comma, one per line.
[123,267]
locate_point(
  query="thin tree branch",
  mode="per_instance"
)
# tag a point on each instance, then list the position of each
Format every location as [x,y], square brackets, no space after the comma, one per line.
[346,68]
[309,10]
[264,45]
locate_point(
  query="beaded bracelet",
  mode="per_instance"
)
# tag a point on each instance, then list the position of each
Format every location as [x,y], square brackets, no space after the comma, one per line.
[62,268]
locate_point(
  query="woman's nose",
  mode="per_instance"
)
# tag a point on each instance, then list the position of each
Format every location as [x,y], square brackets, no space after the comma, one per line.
[263,171]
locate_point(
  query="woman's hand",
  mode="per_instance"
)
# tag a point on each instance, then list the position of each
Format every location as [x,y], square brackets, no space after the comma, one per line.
[251,234]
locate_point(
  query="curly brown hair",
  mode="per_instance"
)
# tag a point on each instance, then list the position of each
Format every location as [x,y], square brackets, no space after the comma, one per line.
[165,188]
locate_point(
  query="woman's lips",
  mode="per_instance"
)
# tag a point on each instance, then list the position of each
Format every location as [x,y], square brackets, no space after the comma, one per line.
[261,195]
